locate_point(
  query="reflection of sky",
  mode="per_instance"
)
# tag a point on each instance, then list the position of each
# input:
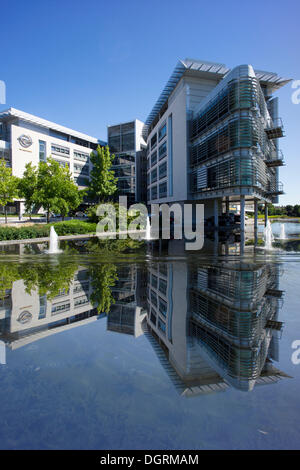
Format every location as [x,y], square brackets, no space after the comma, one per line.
[89,388]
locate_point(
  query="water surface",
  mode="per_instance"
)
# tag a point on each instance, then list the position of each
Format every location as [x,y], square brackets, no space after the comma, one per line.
[178,351]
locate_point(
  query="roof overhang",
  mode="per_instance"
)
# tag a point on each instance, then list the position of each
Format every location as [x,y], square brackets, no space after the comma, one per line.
[210,70]
[12,113]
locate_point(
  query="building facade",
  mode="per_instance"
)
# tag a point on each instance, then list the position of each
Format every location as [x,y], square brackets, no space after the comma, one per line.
[126,142]
[26,138]
[213,138]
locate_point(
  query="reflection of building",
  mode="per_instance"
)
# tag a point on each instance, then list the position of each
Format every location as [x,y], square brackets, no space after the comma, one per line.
[28,317]
[212,325]
[127,143]
[215,325]
[127,314]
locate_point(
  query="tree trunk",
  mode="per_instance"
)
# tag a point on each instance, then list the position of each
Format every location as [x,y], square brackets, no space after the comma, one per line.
[48,217]
[5,211]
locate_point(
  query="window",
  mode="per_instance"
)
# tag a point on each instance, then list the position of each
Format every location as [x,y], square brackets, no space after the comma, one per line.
[153,317]
[153,141]
[154,158]
[58,308]
[162,151]
[153,298]
[154,175]
[161,325]
[79,301]
[162,307]
[154,192]
[163,286]
[163,189]
[154,281]
[82,143]
[163,170]
[43,307]
[58,135]
[61,162]
[162,132]
[57,149]
[42,147]
[81,156]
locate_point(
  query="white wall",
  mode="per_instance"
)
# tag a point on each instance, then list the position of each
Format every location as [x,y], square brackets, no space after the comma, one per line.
[21,156]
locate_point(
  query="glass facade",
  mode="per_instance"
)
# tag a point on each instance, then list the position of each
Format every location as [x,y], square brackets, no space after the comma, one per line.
[229,143]
[42,151]
[121,142]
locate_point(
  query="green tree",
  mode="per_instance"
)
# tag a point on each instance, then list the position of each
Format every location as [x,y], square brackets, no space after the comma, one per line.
[71,196]
[56,191]
[8,186]
[103,182]
[28,187]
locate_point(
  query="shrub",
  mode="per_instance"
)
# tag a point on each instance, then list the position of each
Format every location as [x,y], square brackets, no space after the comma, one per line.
[74,227]
[21,233]
[70,227]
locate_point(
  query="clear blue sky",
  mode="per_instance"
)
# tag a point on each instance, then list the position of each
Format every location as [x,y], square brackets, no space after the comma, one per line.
[87,64]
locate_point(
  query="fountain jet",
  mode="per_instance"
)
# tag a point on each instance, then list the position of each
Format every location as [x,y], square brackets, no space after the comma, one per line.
[54,243]
[268,236]
[282,232]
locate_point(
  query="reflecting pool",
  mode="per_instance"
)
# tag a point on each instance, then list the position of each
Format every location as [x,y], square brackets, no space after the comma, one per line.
[149,351]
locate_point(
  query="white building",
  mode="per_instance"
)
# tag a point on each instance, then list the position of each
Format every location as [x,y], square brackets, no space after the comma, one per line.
[26,138]
[213,137]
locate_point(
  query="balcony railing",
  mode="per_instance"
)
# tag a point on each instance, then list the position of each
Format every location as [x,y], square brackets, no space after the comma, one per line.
[274,129]
[276,159]
[276,189]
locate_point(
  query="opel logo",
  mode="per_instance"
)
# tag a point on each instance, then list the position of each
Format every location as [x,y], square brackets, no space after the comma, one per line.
[25,140]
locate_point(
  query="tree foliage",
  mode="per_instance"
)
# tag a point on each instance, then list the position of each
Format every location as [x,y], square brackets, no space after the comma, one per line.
[28,186]
[8,186]
[103,181]
[55,189]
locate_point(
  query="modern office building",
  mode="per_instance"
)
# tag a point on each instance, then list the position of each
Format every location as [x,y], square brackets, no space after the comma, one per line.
[213,138]
[26,138]
[126,141]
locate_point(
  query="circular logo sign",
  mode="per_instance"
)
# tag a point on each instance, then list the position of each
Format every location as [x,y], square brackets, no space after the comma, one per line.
[25,317]
[25,140]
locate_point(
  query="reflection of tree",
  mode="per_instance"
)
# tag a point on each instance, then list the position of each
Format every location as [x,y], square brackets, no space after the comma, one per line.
[48,279]
[9,273]
[51,279]
[103,277]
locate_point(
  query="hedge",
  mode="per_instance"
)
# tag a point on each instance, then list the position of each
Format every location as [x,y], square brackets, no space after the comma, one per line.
[70,227]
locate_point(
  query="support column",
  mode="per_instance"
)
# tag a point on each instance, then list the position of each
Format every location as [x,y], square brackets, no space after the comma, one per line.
[255,221]
[216,213]
[266,214]
[21,208]
[242,216]
[227,205]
